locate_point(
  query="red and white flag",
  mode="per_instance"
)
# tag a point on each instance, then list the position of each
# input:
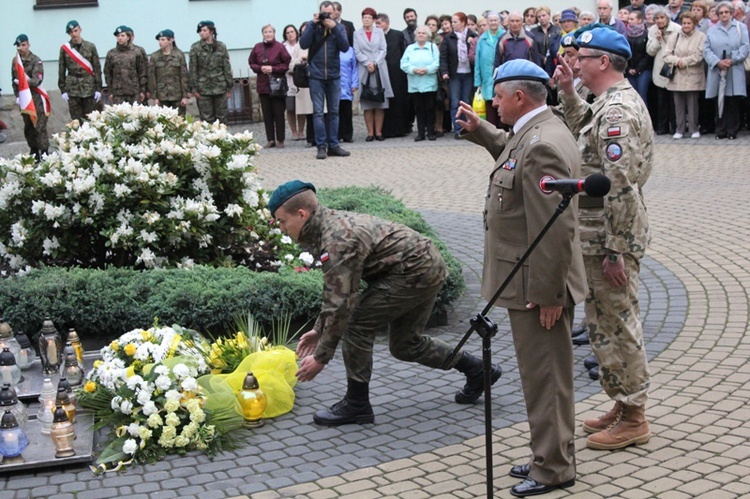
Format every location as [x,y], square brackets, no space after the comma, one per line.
[25,102]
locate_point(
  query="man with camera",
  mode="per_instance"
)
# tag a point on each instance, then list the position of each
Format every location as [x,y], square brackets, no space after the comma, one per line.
[325,40]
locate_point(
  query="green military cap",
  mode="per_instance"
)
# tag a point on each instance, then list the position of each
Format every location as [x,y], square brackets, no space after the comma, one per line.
[167,33]
[201,24]
[122,29]
[285,191]
[71,24]
[20,39]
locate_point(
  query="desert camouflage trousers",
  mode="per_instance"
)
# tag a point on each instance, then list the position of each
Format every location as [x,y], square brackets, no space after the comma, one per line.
[389,302]
[616,333]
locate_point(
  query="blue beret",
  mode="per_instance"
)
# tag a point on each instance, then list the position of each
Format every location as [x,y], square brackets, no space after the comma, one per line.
[569,15]
[285,191]
[71,24]
[569,41]
[520,69]
[20,39]
[122,29]
[607,40]
[201,24]
[167,33]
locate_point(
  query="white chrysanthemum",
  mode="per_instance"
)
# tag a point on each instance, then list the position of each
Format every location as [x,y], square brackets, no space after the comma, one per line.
[163,382]
[172,419]
[134,381]
[189,384]
[181,371]
[130,446]
[306,258]
[150,409]
[161,369]
[154,419]
[126,407]
[134,429]
[171,406]
[173,395]
[144,397]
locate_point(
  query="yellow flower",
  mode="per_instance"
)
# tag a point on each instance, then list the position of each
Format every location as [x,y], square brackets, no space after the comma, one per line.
[130,349]
[98,363]
[114,346]
[130,371]
[90,387]
[241,340]
[145,335]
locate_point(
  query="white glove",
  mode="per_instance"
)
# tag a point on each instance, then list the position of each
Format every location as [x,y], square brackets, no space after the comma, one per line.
[65,96]
[97,96]
[18,101]
[15,81]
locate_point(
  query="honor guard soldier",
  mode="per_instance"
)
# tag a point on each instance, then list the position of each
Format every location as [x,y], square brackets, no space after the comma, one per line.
[211,79]
[79,73]
[168,79]
[31,97]
[404,272]
[125,70]
[541,299]
[615,136]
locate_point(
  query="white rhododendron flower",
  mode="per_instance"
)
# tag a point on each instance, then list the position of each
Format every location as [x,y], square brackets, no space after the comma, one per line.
[130,446]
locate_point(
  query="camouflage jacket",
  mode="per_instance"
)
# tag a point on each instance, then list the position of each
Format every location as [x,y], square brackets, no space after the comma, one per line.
[168,76]
[125,71]
[210,69]
[616,138]
[352,246]
[32,66]
[73,79]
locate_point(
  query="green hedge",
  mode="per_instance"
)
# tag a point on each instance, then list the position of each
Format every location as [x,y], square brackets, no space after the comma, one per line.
[103,304]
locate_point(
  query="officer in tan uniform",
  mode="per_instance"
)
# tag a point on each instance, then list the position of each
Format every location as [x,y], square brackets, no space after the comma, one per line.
[541,298]
[615,137]
[404,272]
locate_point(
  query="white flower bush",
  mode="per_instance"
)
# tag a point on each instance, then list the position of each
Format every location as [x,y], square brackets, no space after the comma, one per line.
[139,186]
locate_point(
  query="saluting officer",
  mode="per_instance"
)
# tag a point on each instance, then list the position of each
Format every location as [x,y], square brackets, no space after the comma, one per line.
[210,74]
[615,136]
[35,134]
[79,73]
[168,79]
[125,70]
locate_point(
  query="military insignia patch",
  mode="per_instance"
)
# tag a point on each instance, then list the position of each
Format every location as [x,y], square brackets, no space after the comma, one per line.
[546,178]
[534,139]
[587,37]
[613,116]
[324,257]
[616,98]
[613,131]
[614,151]
[510,164]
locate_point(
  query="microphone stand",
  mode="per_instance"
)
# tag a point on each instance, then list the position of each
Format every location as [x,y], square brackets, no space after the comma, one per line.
[487,329]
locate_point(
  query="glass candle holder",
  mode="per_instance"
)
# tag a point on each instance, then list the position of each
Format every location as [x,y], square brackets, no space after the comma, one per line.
[71,369]
[50,347]
[63,434]
[9,402]
[253,402]
[9,371]
[47,405]
[7,340]
[63,400]
[13,440]
[27,356]
[75,341]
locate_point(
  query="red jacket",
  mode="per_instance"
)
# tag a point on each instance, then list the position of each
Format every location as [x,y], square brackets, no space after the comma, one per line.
[272,54]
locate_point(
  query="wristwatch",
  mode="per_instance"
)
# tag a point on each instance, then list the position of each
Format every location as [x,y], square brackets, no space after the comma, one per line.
[613,257]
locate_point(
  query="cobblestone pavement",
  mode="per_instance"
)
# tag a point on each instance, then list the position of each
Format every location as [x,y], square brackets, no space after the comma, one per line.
[694,305]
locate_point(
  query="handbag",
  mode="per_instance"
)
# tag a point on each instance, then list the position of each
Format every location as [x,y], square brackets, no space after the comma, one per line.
[668,71]
[478,104]
[376,94]
[300,75]
[279,86]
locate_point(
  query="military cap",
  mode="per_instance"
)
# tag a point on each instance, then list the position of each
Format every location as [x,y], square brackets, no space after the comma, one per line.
[607,40]
[520,69]
[285,191]
[71,24]
[210,24]
[569,41]
[167,33]
[20,39]
[122,29]
[569,15]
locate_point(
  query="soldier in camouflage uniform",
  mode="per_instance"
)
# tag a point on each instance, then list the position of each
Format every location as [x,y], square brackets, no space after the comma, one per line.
[210,74]
[79,73]
[144,55]
[404,272]
[36,135]
[615,136]
[168,81]
[125,70]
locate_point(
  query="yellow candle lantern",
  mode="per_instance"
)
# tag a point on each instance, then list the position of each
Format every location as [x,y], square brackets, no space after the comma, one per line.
[253,402]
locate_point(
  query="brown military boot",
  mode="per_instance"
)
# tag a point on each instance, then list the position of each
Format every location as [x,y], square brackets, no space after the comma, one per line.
[630,428]
[596,425]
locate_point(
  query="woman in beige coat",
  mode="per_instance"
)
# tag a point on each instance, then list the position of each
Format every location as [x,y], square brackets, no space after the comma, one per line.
[685,52]
[658,35]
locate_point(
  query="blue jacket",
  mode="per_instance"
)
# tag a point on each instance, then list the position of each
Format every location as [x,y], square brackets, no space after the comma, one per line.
[484,63]
[349,77]
[415,57]
[509,48]
[325,64]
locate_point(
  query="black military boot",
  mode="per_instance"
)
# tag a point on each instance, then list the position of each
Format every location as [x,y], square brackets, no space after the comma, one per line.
[472,367]
[35,153]
[354,408]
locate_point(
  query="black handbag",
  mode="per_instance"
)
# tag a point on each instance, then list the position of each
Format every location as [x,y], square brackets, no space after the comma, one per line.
[300,76]
[668,71]
[279,86]
[376,94]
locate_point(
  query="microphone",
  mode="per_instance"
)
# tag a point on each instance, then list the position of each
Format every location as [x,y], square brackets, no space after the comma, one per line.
[595,186]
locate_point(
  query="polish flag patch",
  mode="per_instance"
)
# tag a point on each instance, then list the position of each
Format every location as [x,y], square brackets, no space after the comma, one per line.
[613,131]
[324,257]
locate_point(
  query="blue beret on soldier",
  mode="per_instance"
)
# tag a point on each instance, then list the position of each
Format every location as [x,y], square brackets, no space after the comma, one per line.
[607,40]
[201,24]
[167,33]
[71,24]
[520,69]
[122,29]
[285,191]
[20,39]
[569,41]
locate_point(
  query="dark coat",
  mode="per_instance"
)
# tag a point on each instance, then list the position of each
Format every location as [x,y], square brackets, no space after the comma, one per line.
[272,54]
[325,64]
[640,61]
[395,124]
[449,52]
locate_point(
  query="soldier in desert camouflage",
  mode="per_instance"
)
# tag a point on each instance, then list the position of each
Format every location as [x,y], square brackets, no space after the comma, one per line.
[404,272]
[615,137]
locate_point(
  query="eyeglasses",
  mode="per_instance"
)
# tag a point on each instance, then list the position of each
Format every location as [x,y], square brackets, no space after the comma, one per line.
[588,56]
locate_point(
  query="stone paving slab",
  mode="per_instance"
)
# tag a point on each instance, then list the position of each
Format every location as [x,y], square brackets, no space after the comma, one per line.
[695,311]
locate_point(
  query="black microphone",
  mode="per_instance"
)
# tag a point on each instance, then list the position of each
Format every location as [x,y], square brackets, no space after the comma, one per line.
[595,186]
